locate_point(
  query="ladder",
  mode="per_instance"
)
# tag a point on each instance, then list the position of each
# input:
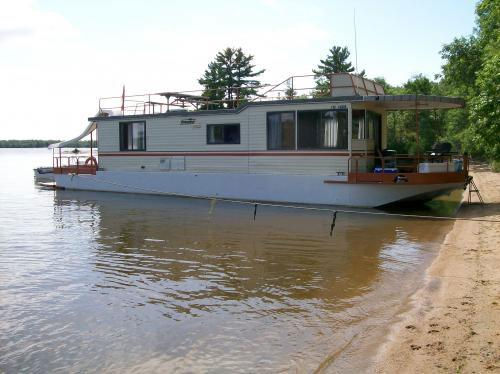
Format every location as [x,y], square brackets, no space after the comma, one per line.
[473,189]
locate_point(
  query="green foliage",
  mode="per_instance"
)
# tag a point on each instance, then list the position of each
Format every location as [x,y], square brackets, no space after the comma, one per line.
[230,77]
[463,57]
[472,71]
[483,135]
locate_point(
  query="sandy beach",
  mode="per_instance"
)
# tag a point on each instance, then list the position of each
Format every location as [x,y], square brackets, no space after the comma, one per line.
[453,325]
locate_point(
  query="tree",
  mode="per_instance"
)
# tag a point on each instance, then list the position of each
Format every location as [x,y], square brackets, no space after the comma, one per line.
[335,62]
[471,70]
[230,79]
[463,60]
[483,134]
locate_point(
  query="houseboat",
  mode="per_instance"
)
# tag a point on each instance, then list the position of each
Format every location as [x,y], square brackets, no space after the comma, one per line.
[276,147]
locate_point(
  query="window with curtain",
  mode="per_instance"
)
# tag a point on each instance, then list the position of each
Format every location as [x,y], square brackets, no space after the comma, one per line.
[359,129]
[281,130]
[322,129]
[373,121]
[223,134]
[132,136]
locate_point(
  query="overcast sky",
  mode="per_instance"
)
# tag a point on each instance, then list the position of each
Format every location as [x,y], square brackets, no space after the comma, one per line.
[57,57]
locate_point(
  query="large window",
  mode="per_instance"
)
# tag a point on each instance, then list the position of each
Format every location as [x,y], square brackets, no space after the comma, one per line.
[365,124]
[223,134]
[322,129]
[132,136]
[374,121]
[281,130]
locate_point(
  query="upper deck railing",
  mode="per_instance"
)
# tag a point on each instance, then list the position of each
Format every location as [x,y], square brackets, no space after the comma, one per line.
[294,87]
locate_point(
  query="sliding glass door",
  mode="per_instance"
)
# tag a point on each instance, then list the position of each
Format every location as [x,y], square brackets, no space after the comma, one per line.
[325,129]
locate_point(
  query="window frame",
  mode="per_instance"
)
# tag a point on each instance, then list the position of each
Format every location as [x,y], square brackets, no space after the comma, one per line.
[127,123]
[322,111]
[294,146]
[223,125]
[366,132]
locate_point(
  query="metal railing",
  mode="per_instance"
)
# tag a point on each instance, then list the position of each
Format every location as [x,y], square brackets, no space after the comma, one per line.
[294,87]
[373,168]
[74,164]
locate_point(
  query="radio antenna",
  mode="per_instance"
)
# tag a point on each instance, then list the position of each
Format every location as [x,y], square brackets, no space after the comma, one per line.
[355,42]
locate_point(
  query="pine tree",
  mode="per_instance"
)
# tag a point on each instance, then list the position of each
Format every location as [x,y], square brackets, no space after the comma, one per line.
[230,78]
[335,62]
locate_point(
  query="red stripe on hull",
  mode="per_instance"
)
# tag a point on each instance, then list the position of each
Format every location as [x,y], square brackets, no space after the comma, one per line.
[119,154]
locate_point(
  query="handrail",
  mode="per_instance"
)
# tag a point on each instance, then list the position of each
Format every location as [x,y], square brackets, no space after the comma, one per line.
[194,99]
[76,168]
[414,166]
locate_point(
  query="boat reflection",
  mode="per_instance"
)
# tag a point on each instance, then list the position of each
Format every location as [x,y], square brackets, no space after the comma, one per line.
[278,288]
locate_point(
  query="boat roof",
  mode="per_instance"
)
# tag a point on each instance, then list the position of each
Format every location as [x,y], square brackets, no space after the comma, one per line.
[385,102]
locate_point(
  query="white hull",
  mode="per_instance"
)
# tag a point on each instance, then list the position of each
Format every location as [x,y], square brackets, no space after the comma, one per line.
[254,187]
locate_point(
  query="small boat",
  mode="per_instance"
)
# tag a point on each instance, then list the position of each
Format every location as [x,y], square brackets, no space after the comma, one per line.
[328,150]
[44,174]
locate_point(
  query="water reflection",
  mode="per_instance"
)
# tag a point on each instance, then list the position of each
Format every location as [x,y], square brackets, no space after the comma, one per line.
[178,287]
[94,282]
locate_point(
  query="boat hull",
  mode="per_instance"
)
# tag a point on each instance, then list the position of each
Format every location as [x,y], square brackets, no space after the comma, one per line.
[297,189]
[43,175]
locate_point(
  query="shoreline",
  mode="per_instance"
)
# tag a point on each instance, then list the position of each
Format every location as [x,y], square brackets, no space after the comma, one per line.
[452,323]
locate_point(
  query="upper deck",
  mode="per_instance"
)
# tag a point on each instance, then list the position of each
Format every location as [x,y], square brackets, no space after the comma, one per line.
[343,88]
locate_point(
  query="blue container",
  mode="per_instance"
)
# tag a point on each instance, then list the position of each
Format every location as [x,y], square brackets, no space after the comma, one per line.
[386,170]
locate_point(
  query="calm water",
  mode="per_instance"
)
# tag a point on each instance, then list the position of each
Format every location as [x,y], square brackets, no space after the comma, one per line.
[117,283]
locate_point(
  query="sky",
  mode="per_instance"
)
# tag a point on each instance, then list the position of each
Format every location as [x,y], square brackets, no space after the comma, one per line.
[57,57]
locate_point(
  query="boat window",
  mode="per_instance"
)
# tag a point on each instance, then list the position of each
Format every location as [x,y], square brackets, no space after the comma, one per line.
[322,129]
[223,134]
[373,122]
[359,129]
[132,136]
[281,130]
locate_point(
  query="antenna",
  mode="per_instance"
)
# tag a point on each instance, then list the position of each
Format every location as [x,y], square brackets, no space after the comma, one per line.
[355,42]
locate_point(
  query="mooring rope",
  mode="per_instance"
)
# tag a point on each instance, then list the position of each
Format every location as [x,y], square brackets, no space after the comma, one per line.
[310,208]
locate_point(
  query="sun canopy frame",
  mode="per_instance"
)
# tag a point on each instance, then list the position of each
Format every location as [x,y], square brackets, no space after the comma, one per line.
[412,102]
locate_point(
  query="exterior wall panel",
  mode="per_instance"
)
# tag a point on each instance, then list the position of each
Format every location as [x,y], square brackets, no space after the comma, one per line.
[296,165]
[108,136]
[167,134]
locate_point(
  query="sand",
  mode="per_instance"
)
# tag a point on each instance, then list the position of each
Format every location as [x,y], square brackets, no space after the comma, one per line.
[453,324]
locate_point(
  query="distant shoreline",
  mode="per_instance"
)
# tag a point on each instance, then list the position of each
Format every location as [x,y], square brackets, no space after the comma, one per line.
[39,143]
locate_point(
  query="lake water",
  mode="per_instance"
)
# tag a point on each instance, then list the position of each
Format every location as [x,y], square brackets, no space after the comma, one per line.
[130,283]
